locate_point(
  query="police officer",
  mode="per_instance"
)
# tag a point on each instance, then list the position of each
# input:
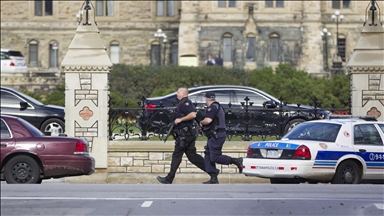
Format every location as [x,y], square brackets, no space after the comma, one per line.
[185,136]
[214,127]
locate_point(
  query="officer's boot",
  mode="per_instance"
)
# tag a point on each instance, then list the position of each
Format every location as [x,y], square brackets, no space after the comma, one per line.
[213,179]
[238,162]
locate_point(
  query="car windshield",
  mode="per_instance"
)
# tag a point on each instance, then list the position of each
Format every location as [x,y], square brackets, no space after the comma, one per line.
[36,132]
[326,132]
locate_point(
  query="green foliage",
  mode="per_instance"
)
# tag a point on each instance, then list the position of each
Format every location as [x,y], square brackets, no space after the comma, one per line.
[130,83]
[57,97]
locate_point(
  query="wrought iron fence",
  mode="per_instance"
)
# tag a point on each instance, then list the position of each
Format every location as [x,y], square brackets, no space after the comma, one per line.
[245,121]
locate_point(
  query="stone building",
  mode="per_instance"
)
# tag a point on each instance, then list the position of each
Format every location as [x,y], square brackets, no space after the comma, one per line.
[247,34]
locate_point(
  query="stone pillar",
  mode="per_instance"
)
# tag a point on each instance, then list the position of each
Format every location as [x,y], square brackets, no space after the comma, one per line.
[366,66]
[189,29]
[86,66]
[311,43]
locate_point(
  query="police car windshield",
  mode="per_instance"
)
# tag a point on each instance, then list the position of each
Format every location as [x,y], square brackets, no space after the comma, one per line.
[326,132]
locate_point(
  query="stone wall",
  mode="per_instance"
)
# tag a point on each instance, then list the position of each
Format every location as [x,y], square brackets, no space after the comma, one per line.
[142,161]
[135,22]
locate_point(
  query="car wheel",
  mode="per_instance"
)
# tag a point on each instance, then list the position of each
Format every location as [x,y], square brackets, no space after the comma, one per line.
[52,126]
[293,123]
[348,172]
[22,169]
[283,181]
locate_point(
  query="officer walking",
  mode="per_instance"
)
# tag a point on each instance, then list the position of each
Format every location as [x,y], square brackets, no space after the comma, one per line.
[214,127]
[185,136]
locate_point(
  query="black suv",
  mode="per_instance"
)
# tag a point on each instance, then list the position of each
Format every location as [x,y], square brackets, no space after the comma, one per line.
[48,118]
[259,112]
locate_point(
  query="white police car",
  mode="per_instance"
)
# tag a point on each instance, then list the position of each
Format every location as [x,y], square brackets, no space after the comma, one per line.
[340,150]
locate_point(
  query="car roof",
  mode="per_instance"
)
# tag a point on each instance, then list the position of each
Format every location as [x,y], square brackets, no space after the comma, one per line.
[343,121]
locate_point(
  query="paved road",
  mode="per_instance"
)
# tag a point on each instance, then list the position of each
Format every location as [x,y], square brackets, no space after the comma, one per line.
[55,198]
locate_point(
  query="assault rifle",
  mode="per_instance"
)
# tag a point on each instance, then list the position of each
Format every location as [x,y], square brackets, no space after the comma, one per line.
[169,131]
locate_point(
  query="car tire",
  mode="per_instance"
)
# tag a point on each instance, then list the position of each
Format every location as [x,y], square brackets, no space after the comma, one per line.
[22,169]
[348,172]
[293,123]
[52,125]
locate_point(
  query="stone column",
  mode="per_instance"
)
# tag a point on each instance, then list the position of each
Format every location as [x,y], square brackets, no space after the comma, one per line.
[189,29]
[366,66]
[311,43]
[86,66]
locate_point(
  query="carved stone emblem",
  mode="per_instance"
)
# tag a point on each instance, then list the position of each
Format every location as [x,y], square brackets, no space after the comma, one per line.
[374,112]
[86,113]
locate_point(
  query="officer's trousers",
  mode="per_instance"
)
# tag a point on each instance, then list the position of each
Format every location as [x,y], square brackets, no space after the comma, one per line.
[190,150]
[213,153]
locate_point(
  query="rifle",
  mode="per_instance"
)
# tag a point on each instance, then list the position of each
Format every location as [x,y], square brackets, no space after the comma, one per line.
[172,126]
[169,131]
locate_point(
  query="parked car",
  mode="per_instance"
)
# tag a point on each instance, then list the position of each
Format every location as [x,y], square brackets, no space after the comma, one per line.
[232,98]
[340,150]
[14,55]
[8,65]
[48,118]
[28,156]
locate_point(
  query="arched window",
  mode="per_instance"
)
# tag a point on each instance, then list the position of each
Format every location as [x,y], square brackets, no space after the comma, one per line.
[155,53]
[174,53]
[114,52]
[227,47]
[53,54]
[341,46]
[250,47]
[33,53]
[274,47]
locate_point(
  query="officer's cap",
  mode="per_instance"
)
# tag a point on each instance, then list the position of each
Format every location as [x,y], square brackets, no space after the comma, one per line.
[210,95]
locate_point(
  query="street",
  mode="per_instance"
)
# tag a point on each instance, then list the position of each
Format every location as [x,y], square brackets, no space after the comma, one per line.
[55,198]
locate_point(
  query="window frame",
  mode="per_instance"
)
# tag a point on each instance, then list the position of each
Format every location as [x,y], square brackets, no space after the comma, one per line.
[341,4]
[274,4]
[106,12]
[174,55]
[33,55]
[274,36]
[166,10]
[43,8]
[227,37]
[51,57]
[114,54]
[247,44]
[155,58]
[341,47]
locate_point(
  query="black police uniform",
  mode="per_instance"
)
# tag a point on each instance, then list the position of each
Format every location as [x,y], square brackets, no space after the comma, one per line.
[185,141]
[215,132]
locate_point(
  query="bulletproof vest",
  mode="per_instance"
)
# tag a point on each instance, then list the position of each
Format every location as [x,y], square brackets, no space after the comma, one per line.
[209,62]
[218,122]
[180,114]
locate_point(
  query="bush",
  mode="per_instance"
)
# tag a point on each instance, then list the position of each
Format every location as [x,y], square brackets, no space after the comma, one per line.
[130,83]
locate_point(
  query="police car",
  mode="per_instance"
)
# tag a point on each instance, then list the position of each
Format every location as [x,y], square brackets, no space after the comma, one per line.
[340,150]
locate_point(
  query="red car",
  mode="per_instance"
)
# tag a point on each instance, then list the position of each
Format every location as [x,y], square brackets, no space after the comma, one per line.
[28,156]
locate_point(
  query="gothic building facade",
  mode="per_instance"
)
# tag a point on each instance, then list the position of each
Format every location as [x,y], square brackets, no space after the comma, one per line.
[247,34]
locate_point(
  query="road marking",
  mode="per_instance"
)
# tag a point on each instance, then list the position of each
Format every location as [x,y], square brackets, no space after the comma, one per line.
[146,204]
[185,198]
[379,206]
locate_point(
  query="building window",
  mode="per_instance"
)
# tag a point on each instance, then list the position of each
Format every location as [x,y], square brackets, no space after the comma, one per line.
[53,54]
[33,53]
[155,54]
[250,47]
[227,47]
[174,53]
[341,48]
[43,8]
[114,52]
[274,48]
[165,8]
[223,3]
[276,3]
[104,7]
[339,4]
